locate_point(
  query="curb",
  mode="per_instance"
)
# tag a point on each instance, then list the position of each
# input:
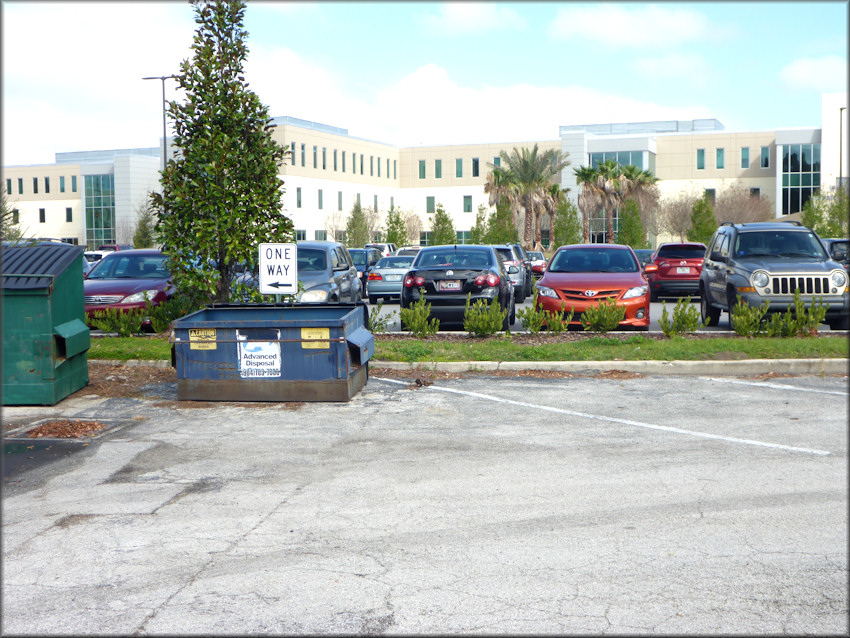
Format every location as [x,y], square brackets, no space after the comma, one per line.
[694,368]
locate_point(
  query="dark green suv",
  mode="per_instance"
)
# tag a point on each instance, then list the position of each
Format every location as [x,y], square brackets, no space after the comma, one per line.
[769,261]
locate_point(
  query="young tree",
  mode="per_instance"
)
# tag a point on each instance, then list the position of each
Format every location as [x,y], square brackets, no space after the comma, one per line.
[10,230]
[221,193]
[501,228]
[828,215]
[396,230]
[479,230]
[675,214]
[703,222]
[631,231]
[442,228]
[413,225]
[145,234]
[357,227]
[567,228]
[738,205]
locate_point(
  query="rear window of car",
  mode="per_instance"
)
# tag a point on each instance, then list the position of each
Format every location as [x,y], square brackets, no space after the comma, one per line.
[456,258]
[312,260]
[395,262]
[681,252]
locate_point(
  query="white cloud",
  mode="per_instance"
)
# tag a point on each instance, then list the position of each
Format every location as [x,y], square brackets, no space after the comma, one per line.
[689,69]
[471,17]
[631,26]
[825,74]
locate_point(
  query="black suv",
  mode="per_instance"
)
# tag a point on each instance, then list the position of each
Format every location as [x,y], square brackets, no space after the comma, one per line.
[768,261]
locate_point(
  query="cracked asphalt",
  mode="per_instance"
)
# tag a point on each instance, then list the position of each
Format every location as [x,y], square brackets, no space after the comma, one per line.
[479,504]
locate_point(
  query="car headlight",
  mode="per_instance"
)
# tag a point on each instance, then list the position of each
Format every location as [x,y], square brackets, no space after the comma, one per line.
[543,291]
[314,296]
[839,279]
[760,279]
[140,297]
[637,291]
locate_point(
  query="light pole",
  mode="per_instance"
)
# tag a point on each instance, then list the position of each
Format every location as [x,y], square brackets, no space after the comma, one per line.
[163,78]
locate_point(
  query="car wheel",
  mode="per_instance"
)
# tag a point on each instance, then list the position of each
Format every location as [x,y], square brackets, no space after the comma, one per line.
[842,323]
[518,294]
[373,299]
[506,322]
[709,314]
[513,314]
[653,295]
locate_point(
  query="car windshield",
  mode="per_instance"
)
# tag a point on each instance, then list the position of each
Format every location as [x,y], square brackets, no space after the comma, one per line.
[454,258]
[312,260]
[681,252]
[395,262]
[778,243]
[593,260]
[124,266]
[506,254]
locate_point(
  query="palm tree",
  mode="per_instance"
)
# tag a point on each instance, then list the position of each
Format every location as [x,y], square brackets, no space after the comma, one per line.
[554,196]
[590,196]
[528,174]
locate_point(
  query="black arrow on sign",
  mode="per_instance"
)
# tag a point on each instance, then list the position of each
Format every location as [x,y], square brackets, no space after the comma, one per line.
[277,284]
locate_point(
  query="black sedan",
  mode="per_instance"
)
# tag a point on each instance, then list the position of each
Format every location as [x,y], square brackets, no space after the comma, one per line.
[447,274]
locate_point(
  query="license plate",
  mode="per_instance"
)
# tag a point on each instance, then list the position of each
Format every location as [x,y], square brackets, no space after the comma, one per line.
[449,284]
[682,270]
[393,277]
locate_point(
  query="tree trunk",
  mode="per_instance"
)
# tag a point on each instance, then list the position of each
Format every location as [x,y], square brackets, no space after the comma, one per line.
[527,235]
[609,225]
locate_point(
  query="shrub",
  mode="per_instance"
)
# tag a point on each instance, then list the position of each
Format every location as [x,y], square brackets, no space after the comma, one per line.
[797,320]
[556,322]
[377,323]
[161,315]
[483,319]
[605,316]
[534,319]
[686,318]
[747,320]
[113,320]
[417,319]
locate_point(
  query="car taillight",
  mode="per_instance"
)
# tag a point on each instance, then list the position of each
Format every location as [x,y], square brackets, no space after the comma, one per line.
[411,281]
[487,280]
[373,276]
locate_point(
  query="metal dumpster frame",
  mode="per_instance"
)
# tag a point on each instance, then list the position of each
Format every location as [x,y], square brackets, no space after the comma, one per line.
[324,352]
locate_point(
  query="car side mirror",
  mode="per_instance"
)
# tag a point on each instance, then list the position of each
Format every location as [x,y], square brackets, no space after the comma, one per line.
[839,255]
[715,256]
[512,270]
[650,268]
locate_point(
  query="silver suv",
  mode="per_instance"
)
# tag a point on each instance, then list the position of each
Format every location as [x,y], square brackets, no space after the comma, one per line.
[521,279]
[768,261]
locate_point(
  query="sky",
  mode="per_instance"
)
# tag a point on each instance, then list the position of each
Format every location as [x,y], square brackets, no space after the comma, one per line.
[410,73]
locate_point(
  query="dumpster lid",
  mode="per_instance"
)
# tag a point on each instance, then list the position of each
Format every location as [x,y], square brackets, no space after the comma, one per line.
[35,267]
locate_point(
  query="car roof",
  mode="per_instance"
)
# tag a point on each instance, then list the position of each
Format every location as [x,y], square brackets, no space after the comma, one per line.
[681,243]
[749,226]
[317,243]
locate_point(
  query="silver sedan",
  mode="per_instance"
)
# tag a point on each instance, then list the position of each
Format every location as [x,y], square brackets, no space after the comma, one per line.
[386,277]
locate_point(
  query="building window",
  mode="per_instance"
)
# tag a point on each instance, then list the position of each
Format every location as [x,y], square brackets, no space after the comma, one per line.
[475,167]
[69,215]
[463,236]
[388,168]
[324,158]
[20,186]
[361,163]
[623,158]
[429,205]
[800,175]
[765,157]
[354,162]
[421,169]
[8,186]
[395,167]
[755,193]
[392,203]
[438,169]
[321,235]
[16,216]
[376,203]
[467,203]
[41,216]
[497,161]
[379,167]
[334,159]
[339,200]
[298,197]
[720,158]
[700,159]
[300,235]
[321,202]
[458,167]
[99,203]
[292,147]
[544,237]
[35,185]
[357,198]
[711,193]
[315,156]
[371,166]
[46,184]
[73,183]
[303,155]
[61,183]
[745,157]
[425,238]
[343,161]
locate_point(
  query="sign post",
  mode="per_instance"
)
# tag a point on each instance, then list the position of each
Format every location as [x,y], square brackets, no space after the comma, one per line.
[278,269]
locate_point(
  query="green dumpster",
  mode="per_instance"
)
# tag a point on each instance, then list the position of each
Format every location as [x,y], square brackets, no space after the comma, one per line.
[45,337]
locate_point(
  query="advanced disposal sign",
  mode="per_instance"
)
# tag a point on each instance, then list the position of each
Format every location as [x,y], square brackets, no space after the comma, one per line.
[259,359]
[278,269]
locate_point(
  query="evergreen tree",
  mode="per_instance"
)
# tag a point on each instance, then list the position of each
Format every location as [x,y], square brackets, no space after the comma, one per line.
[568,228]
[703,223]
[500,225]
[144,236]
[479,230]
[221,193]
[9,229]
[442,228]
[631,231]
[357,227]
[828,216]
[396,228]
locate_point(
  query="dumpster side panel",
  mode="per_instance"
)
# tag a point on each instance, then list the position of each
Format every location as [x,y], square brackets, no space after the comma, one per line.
[28,370]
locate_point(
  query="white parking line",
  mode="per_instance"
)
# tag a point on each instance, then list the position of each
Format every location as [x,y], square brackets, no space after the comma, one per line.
[608,419]
[777,386]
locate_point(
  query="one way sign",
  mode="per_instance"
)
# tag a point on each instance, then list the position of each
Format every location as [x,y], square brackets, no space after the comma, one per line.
[278,269]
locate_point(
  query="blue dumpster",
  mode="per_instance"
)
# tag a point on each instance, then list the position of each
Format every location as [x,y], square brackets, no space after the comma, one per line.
[272,352]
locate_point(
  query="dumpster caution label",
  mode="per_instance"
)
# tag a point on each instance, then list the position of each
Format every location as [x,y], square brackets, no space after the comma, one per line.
[202,339]
[258,359]
[310,337]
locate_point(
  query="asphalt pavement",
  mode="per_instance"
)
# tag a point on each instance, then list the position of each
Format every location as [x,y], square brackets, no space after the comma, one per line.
[602,503]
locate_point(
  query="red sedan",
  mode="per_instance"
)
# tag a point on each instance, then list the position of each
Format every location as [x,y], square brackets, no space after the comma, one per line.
[581,275]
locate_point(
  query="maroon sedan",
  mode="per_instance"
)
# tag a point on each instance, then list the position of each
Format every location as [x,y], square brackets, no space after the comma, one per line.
[126,280]
[581,275]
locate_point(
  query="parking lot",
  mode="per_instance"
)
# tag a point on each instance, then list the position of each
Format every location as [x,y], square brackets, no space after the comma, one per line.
[481,504]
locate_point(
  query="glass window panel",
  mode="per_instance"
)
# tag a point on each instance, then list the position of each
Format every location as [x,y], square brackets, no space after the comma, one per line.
[794,161]
[795,179]
[20,186]
[361,163]
[806,179]
[321,199]
[806,158]
[816,158]
[700,159]
[335,164]
[745,157]
[458,167]
[720,158]
[438,169]
[8,186]
[343,161]
[816,179]
[421,169]
[467,203]
[429,205]
[375,203]
[786,154]
[46,184]
[765,157]
[794,205]
[475,167]
[339,200]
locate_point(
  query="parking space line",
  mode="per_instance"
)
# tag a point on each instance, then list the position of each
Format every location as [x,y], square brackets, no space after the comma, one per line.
[638,424]
[777,386]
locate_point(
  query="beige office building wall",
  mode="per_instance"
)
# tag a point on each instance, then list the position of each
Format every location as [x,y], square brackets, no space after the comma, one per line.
[48,198]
